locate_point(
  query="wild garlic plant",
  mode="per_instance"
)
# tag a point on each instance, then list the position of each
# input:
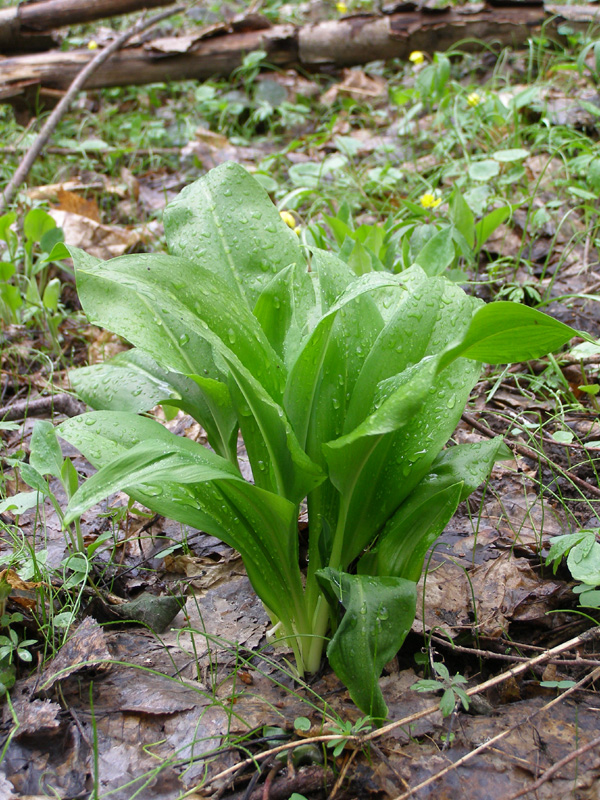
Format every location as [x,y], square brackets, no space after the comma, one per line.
[345,390]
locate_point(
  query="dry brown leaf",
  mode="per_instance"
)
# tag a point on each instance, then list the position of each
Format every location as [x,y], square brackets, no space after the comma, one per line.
[75,204]
[86,648]
[508,590]
[51,190]
[102,241]
[23,592]
[358,85]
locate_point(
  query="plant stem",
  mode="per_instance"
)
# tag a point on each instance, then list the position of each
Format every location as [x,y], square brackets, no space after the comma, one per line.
[321,615]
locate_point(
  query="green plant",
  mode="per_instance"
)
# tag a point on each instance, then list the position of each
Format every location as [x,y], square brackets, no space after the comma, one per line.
[583,560]
[451,687]
[11,644]
[347,730]
[345,390]
[26,290]
[46,460]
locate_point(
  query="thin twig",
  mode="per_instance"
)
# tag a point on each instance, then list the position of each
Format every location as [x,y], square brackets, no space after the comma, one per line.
[492,654]
[13,150]
[495,739]
[483,687]
[556,767]
[342,774]
[42,407]
[529,453]
[57,114]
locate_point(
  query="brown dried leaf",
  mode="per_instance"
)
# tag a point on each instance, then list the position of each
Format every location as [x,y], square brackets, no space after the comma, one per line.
[85,648]
[358,85]
[35,715]
[508,590]
[22,592]
[102,241]
[75,204]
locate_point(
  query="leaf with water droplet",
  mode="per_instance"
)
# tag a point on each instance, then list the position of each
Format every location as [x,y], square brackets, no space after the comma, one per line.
[379,614]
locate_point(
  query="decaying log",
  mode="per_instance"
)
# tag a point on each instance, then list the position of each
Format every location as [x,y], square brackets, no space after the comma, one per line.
[341,43]
[26,26]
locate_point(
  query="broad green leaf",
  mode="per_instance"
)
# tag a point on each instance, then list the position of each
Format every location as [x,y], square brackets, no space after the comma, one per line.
[437,255]
[514,154]
[7,270]
[486,226]
[358,327]
[287,310]
[278,461]
[462,217]
[504,333]
[20,502]
[51,295]
[133,381]
[37,222]
[379,614]
[226,223]
[422,517]
[322,380]
[379,463]
[6,220]
[484,170]
[184,481]
[176,311]
[46,456]
[33,478]
[583,558]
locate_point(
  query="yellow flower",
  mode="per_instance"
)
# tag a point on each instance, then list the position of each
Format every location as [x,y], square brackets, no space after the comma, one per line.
[288,219]
[474,99]
[297,230]
[417,57]
[341,8]
[92,45]
[429,200]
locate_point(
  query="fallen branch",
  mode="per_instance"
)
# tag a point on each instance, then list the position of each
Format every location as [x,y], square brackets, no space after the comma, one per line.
[20,24]
[61,109]
[42,407]
[338,43]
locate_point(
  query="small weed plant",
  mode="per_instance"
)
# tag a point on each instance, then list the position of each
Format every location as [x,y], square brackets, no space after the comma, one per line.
[28,293]
[344,387]
[451,686]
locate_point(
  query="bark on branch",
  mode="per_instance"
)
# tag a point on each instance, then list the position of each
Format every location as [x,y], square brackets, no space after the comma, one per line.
[340,43]
[21,25]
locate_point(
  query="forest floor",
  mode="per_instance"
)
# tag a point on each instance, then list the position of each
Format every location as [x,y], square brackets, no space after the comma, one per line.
[365,160]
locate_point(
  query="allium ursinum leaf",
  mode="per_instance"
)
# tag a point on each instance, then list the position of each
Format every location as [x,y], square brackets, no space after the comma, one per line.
[428,316]
[178,312]
[422,517]
[359,326]
[186,482]
[378,615]
[378,463]
[279,464]
[288,310]
[133,381]
[503,332]
[46,457]
[227,223]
